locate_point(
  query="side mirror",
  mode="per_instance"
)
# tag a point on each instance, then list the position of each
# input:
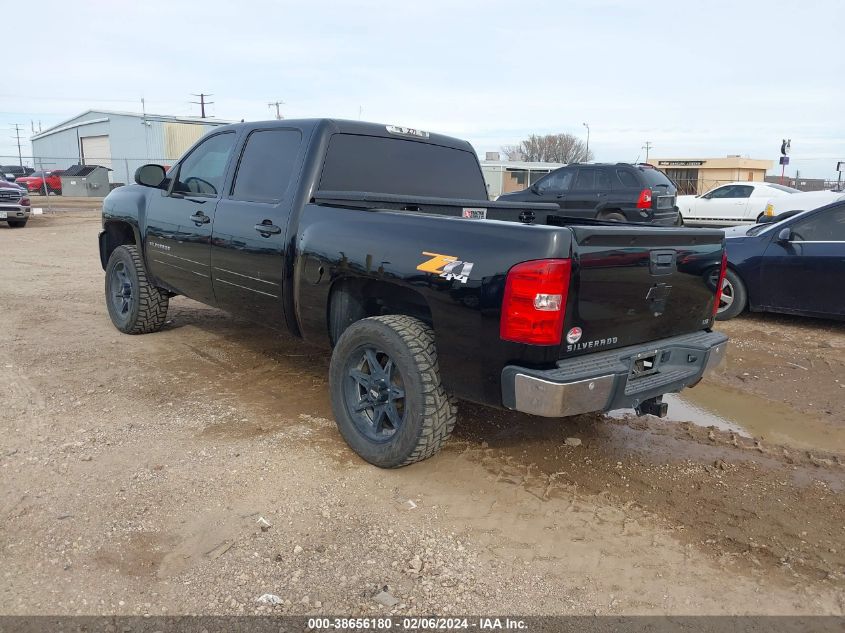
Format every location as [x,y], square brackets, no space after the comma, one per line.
[785,235]
[150,175]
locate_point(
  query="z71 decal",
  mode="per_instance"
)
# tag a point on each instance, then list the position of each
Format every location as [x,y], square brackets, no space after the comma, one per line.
[446,266]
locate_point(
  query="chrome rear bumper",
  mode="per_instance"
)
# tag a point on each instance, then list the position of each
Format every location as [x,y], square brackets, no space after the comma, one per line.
[615,379]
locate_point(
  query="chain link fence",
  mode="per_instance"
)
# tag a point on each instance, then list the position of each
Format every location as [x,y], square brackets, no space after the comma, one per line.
[115,173]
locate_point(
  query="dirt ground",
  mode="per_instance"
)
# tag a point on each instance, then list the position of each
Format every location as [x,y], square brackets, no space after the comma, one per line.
[135,470]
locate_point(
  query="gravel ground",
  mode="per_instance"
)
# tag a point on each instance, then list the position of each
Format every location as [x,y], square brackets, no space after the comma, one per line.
[196,469]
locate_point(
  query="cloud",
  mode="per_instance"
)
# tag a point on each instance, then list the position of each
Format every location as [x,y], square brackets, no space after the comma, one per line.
[694,79]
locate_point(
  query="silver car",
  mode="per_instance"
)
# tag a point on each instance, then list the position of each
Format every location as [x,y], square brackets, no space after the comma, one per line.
[14,205]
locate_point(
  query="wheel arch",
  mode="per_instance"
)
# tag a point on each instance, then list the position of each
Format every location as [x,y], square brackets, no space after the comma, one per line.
[117,233]
[352,299]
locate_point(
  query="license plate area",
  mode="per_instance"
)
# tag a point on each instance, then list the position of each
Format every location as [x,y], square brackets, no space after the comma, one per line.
[644,365]
[2,215]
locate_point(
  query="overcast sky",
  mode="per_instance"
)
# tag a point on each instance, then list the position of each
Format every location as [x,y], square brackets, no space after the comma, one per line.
[696,79]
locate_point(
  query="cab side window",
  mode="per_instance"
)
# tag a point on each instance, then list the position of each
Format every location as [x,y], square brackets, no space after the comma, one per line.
[202,171]
[266,166]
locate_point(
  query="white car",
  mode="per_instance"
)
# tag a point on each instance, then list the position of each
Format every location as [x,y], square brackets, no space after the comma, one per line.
[732,203]
[803,201]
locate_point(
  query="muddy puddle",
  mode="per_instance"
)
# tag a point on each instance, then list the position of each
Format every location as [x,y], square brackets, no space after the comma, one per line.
[752,416]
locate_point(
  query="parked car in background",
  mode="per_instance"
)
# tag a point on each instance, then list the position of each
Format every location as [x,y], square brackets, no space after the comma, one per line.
[619,191]
[13,172]
[14,205]
[731,203]
[796,266]
[35,182]
[5,181]
[801,201]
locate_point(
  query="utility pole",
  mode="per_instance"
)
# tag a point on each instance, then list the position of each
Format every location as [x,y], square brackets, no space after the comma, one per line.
[647,147]
[587,152]
[202,102]
[270,105]
[18,138]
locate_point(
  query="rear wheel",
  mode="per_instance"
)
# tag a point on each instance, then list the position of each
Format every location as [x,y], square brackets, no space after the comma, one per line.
[17,224]
[135,306]
[613,216]
[734,296]
[386,393]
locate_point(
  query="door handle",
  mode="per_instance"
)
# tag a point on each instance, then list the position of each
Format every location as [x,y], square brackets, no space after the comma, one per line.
[200,218]
[268,229]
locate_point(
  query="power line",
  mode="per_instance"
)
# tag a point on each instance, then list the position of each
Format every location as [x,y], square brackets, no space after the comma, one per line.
[647,147]
[277,104]
[202,102]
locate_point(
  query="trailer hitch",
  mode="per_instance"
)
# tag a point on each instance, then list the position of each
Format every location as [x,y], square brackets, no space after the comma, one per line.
[653,406]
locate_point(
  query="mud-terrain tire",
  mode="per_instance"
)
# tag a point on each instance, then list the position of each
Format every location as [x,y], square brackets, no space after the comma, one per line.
[734,297]
[387,397]
[16,224]
[135,306]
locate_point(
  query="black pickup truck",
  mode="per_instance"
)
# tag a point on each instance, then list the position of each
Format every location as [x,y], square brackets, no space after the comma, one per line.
[379,243]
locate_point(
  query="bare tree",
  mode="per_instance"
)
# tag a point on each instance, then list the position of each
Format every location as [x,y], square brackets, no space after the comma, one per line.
[550,148]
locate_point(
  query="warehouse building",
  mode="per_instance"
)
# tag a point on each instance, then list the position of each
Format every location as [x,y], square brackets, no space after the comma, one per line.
[119,141]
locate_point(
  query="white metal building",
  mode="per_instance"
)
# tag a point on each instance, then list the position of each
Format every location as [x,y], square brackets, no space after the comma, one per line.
[121,141]
[506,176]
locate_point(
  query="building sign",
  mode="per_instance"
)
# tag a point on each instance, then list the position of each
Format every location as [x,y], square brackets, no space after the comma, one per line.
[681,163]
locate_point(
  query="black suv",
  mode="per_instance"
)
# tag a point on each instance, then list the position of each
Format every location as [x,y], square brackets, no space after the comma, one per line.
[12,172]
[621,192]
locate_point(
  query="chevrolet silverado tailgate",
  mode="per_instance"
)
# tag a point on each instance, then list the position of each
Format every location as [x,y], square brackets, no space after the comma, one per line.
[632,285]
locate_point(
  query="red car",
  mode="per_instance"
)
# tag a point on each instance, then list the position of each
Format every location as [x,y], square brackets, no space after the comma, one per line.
[34,183]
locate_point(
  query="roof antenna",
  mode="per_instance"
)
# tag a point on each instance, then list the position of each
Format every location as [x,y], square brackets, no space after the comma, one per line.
[637,159]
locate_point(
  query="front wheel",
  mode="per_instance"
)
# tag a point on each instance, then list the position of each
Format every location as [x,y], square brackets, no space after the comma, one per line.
[16,224]
[387,397]
[135,306]
[734,297]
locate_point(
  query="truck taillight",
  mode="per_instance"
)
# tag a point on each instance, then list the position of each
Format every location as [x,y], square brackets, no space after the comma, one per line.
[644,201]
[720,282]
[534,306]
